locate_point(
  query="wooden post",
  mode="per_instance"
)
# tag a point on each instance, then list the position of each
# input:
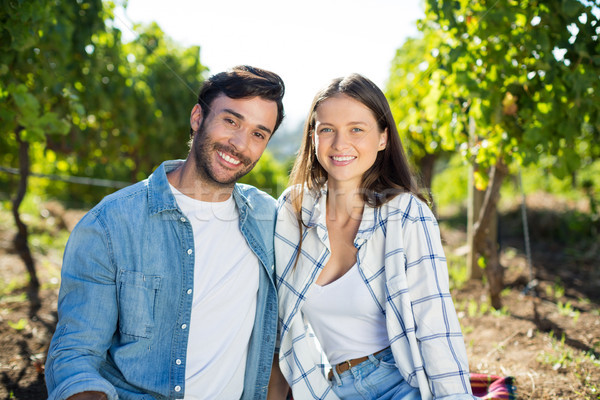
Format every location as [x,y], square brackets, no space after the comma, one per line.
[473,207]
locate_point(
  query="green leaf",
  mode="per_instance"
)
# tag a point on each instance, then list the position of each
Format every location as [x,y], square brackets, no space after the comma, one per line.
[53,124]
[572,8]
[33,134]
[481,262]
[26,102]
[480,179]
[544,108]
[19,325]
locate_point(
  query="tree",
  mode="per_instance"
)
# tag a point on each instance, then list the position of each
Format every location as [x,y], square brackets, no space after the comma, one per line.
[268,175]
[86,103]
[412,91]
[526,74]
[40,44]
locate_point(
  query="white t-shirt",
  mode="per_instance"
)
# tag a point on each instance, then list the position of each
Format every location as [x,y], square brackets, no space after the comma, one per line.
[226,274]
[345,318]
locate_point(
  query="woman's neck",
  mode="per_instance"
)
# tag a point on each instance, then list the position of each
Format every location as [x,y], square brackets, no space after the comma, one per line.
[344,204]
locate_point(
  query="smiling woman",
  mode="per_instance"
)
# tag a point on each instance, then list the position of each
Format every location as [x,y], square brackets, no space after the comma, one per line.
[360,269]
[347,140]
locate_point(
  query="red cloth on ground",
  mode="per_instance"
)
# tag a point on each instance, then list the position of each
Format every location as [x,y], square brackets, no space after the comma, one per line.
[492,387]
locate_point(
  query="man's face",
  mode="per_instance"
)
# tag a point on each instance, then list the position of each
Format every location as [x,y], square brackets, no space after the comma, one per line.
[229,141]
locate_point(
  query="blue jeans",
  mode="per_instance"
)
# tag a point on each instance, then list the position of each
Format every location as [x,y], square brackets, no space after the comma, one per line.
[377,378]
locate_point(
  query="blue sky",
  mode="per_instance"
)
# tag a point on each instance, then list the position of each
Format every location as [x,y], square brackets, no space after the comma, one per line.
[307,43]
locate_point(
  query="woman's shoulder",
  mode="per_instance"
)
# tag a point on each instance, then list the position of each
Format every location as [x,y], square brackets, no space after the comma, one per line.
[295,191]
[408,204]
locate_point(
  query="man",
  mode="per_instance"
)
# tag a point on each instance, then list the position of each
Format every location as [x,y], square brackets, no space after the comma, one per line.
[167,286]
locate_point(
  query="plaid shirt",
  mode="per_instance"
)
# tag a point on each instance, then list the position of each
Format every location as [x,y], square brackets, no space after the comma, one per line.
[401,260]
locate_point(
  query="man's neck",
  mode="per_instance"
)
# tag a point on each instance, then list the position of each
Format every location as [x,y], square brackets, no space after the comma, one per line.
[186,179]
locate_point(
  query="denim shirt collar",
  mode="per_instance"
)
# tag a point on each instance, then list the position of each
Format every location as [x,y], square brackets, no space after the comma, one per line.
[160,196]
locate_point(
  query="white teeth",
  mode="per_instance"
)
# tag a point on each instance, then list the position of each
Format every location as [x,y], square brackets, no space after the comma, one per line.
[343,158]
[228,159]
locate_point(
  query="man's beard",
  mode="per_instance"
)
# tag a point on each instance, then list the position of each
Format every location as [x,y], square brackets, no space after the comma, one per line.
[203,149]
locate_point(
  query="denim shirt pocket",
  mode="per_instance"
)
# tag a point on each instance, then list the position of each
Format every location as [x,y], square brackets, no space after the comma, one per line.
[137,298]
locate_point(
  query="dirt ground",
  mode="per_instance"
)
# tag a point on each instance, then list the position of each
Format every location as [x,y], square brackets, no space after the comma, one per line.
[548,339]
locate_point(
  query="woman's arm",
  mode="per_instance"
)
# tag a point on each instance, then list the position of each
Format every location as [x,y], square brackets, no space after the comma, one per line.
[278,386]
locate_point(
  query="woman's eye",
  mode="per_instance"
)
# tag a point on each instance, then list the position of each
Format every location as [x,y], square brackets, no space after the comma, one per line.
[326,130]
[357,130]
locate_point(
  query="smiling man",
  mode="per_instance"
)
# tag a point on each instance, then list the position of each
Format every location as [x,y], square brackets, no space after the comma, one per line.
[167,288]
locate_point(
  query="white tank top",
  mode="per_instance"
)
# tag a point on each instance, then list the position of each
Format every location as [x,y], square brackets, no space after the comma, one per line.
[345,318]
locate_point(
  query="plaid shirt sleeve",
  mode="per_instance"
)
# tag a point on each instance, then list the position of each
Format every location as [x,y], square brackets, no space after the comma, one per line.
[420,314]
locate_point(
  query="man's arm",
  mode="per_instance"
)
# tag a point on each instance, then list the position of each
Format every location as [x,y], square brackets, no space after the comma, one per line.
[87,315]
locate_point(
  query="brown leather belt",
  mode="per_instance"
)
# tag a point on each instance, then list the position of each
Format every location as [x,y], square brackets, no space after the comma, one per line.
[346,365]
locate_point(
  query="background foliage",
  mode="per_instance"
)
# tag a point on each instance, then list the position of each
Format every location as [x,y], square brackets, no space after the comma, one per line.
[484,84]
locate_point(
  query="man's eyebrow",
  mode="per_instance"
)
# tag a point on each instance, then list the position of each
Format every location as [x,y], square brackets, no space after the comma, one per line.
[242,118]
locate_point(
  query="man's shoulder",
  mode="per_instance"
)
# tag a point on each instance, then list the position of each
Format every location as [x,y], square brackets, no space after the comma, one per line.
[122,203]
[129,193]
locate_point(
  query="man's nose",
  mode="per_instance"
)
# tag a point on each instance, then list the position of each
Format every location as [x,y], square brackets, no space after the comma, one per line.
[239,139]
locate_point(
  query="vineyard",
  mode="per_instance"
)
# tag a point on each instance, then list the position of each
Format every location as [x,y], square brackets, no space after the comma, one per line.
[496,103]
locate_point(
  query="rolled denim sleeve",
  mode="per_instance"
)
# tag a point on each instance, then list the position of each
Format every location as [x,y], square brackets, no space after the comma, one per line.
[87,313]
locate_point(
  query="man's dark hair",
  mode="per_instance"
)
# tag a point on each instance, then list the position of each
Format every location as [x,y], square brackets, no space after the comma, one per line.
[242,82]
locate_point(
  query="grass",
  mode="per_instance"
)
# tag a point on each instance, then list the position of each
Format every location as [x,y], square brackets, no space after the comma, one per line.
[457,271]
[556,291]
[46,237]
[474,308]
[567,309]
[584,365]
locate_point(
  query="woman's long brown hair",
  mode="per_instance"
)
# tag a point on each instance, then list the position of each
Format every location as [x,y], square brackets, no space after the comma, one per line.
[389,175]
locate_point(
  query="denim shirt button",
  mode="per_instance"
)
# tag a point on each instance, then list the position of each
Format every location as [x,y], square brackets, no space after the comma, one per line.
[178,361]
[182,219]
[189,251]
[178,388]
[189,291]
[183,326]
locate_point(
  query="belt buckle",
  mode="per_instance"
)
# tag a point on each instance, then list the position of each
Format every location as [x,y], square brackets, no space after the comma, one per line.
[349,362]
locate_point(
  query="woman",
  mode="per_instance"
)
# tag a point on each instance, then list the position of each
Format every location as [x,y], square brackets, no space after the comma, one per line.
[361,274]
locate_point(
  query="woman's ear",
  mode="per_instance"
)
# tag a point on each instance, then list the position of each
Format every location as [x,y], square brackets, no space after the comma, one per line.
[383,136]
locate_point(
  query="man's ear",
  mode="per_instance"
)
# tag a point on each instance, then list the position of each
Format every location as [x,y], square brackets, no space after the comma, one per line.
[196,118]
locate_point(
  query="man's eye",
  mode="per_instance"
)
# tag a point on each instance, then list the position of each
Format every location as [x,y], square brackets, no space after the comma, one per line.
[259,135]
[357,130]
[229,121]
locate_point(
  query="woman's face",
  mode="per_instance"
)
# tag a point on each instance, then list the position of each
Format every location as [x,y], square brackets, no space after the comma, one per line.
[347,140]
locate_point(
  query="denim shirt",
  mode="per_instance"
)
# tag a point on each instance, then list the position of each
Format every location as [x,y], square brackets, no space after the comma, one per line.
[126,295]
